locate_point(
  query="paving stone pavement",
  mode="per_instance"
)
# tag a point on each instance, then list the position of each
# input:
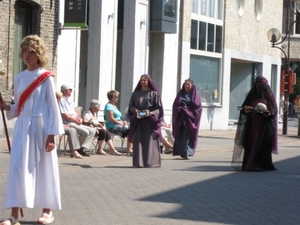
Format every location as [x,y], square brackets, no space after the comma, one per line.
[203,190]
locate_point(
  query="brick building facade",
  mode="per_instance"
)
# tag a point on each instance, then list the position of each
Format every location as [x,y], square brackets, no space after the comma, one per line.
[18,19]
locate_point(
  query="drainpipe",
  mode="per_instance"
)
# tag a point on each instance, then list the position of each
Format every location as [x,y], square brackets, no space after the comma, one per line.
[180,39]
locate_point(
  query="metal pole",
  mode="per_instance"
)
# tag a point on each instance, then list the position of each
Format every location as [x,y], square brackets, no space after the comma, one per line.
[287,64]
[298,126]
[285,116]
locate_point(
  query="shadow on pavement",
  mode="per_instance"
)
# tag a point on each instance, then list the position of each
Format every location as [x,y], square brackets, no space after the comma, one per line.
[239,198]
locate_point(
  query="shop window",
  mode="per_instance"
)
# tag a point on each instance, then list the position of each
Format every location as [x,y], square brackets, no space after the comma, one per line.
[205,72]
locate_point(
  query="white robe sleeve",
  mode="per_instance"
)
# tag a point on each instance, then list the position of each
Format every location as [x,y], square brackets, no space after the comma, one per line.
[13,112]
[55,120]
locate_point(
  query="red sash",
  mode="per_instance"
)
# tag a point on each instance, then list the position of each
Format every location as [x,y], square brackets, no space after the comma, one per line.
[29,90]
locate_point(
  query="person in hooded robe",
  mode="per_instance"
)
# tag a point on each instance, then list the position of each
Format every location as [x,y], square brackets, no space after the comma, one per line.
[256,135]
[186,116]
[145,113]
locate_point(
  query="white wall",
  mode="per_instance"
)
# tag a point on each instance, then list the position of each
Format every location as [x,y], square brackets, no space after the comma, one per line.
[135,47]
[68,50]
[101,58]
[68,61]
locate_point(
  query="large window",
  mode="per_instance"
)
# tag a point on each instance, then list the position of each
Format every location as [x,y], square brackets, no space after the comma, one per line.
[170,8]
[206,48]
[292,17]
[205,72]
[206,36]
[274,80]
[208,8]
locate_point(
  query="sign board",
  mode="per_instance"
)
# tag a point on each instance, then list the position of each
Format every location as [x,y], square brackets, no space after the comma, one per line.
[76,13]
[163,16]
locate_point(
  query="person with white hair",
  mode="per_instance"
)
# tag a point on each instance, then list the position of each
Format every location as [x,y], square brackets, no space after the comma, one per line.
[90,117]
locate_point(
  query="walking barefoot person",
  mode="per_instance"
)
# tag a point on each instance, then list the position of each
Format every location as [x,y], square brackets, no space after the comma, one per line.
[33,177]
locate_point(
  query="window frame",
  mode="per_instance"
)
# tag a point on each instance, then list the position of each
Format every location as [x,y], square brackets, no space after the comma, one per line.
[217,9]
[219,85]
[258,9]
[291,18]
[217,53]
[196,35]
[240,4]
[294,34]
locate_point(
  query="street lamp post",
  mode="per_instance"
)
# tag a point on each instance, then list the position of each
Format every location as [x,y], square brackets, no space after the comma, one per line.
[274,36]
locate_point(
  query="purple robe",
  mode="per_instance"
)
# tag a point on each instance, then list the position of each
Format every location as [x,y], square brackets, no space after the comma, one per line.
[145,133]
[256,136]
[186,119]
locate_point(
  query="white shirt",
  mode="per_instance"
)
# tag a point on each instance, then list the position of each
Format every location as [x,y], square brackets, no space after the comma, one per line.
[66,107]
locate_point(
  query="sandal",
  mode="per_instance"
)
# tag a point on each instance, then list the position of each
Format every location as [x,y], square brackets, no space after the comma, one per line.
[46,218]
[114,152]
[168,151]
[11,221]
[101,152]
[129,152]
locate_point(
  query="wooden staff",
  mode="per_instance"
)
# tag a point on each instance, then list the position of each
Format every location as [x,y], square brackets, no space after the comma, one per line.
[6,134]
[4,123]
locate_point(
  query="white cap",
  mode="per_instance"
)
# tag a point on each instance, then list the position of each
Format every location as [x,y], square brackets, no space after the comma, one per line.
[65,87]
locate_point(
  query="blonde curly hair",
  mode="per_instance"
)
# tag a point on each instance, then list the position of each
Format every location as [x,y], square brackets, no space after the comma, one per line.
[36,44]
